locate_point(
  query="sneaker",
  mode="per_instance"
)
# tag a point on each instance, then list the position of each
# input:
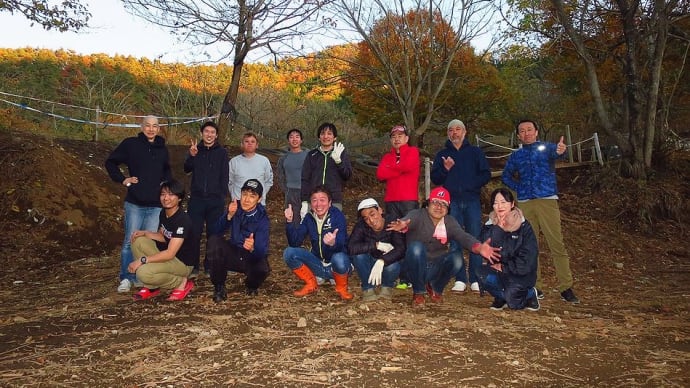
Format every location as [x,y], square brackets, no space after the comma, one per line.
[435,296]
[386,293]
[569,296]
[460,287]
[498,304]
[474,287]
[125,286]
[403,286]
[320,281]
[369,295]
[418,300]
[540,294]
[220,294]
[533,304]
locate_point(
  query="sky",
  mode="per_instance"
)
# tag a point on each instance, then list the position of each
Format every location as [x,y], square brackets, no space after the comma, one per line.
[112,31]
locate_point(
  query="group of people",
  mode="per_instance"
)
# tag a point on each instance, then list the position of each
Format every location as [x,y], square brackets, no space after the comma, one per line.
[398,242]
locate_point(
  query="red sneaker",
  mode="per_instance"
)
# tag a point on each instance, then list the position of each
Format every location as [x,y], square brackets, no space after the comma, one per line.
[418,300]
[435,296]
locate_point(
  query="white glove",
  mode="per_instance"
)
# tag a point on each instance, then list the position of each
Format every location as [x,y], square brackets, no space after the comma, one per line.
[376,271]
[338,149]
[384,247]
[304,210]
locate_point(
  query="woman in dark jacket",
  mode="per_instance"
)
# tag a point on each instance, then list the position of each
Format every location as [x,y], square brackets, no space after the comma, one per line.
[511,279]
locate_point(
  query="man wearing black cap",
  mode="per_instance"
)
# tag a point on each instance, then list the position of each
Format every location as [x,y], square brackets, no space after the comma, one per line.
[246,251]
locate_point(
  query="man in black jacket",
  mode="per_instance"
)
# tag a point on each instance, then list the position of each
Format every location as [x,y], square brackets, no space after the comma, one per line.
[376,252]
[207,161]
[148,164]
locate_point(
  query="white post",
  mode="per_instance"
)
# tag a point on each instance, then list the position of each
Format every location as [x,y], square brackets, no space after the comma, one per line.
[569,140]
[597,148]
[427,177]
[98,120]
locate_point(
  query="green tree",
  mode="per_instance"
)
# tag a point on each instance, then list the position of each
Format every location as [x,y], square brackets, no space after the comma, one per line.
[69,15]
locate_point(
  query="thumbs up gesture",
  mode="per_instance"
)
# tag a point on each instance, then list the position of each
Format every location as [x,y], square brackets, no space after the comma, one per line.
[249,243]
[560,147]
[289,214]
[329,238]
[232,208]
[192,149]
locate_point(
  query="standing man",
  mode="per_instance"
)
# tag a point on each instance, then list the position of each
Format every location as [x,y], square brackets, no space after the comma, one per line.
[250,165]
[430,258]
[531,172]
[207,161]
[399,170]
[328,165]
[148,164]
[326,228]
[246,251]
[289,171]
[462,168]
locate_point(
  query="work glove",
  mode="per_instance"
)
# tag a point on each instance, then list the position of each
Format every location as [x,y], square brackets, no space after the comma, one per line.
[304,210]
[376,271]
[384,247]
[338,149]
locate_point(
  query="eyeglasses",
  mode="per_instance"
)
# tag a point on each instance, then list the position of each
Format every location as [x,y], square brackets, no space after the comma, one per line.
[438,203]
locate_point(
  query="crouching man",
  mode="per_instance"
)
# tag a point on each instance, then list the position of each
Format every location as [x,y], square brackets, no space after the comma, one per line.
[166,257]
[375,251]
[327,230]
[246,251]
[430,259]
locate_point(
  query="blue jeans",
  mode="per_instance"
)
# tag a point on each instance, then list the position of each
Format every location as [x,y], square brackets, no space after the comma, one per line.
[296,257]
[469,216]
[136,218]
[364,263]
[437,273]
[513,293]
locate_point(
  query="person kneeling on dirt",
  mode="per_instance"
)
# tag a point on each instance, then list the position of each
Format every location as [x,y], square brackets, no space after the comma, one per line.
[247,249]
[166,257]
[328,259]
[375,251]
[430,260]
[511,279]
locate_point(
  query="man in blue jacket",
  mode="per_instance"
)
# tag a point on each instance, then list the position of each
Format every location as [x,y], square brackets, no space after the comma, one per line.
[148,165]
[246,251]
[531,172]
[462,169]
[328,259]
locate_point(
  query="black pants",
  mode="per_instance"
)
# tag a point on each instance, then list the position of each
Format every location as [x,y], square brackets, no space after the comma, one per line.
[223,257]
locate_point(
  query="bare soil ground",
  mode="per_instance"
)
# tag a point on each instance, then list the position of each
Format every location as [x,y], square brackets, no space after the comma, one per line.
[62,323]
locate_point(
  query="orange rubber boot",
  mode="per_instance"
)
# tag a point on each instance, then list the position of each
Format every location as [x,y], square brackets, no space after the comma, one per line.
[341,286]
[307,276]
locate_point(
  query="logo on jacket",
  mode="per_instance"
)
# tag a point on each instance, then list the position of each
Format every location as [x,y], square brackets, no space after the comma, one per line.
[180,230]
[327,224]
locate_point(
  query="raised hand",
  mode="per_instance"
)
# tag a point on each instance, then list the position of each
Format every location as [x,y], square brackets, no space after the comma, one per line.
[560,147]
[337,152]
[232,208]
[398,225]
[448,162]
[289,214]
[192,149]
[249,243]
[329,238]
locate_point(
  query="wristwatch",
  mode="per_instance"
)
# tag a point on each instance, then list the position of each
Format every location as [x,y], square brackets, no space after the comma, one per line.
[143,259]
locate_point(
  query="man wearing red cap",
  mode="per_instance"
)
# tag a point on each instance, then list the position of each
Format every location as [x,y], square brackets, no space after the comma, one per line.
[430,259]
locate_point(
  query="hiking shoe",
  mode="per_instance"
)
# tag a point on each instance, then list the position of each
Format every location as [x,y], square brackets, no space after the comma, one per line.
[386,293]
[125,286]
[540,294]
[369,295]
[459,287]
[498,304]
[418,300]
[569,296]
[435,296]
[220,295]
[474,287]
[532,304]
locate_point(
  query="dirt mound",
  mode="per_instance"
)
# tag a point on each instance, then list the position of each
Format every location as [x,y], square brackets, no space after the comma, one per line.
[62,323]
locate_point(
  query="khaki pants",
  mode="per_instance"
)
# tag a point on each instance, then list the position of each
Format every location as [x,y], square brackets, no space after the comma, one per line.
[167,275]
[544,215]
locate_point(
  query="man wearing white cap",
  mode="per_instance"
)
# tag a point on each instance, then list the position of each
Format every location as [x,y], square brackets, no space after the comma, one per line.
[375,251]
[430,259]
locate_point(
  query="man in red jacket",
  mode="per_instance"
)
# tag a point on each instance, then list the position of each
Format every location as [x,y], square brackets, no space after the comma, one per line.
[399,170]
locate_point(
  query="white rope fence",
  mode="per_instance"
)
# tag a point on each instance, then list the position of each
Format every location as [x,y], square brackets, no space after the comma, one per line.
[575,146]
